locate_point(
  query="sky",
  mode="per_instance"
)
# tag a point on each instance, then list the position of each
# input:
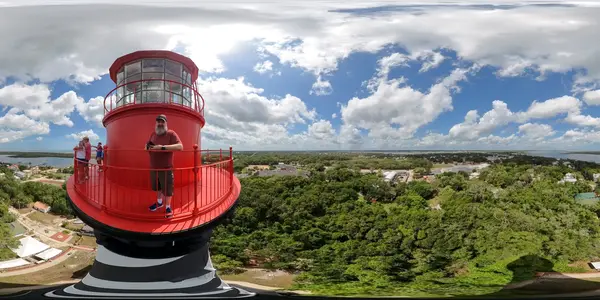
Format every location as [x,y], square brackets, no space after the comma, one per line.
[316,75]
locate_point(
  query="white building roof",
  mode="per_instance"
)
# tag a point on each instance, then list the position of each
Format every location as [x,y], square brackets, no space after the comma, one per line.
[389,175]
[29,246]
[48,254]
[595,265]
[17,262]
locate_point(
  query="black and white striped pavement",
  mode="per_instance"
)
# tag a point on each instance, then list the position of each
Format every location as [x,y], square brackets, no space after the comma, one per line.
[185,276]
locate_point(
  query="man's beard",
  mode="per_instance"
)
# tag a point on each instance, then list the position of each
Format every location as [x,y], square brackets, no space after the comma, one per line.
[160,130]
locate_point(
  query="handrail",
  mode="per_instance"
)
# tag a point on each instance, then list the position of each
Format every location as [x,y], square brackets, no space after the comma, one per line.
[197,105]
[116,189]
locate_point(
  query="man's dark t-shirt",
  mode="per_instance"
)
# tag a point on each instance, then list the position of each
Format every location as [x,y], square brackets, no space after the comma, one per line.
[163,159]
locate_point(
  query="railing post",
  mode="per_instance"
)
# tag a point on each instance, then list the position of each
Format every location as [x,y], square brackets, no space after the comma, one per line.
[104,171]
[220,154]
[195,179]
[231,167]
[75,173]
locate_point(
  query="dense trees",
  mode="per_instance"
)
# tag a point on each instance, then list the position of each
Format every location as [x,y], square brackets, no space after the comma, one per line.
[16,194]
[352,233]
[328,226]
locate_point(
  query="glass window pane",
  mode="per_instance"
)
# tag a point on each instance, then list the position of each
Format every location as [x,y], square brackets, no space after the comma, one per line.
[153,65]
[152,84]
[134,86]
[120,93]
[133,68]
[186,94]
[173,68]
[153,96]
[133,97]
[173,98]
[185,74]
[172,86]
[120,77]
[188,79]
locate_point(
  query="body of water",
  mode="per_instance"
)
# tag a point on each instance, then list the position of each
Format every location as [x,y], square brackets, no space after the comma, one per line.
[65,162]
[559,154]
[58,162]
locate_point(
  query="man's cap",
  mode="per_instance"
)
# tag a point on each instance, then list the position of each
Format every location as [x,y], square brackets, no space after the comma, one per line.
[161,117]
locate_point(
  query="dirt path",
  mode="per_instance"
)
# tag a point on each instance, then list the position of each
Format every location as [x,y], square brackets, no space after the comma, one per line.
[48,180]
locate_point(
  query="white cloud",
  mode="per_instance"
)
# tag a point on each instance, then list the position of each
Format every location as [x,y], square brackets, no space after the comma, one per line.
[80,135]
[92,111]
[39,138]
[536,132]
[15,126]
[333,115]
[306,35]
[395,110]
[592,97]
[237,113]
[321,87]
[34,101]
[69,42]
[263,67]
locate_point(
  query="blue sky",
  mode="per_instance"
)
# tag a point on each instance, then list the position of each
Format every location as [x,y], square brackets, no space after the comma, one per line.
[401,77]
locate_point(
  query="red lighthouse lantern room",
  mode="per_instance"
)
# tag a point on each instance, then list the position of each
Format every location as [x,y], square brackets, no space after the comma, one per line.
[145,249]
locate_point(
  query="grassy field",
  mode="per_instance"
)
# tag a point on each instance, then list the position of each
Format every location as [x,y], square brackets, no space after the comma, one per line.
[24,210]
[87,241]
[278,279]
[42,217]
[442,165]
[73,267]
[74,227]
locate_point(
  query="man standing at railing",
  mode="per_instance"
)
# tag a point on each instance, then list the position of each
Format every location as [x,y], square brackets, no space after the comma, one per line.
[88,155]
[162,143]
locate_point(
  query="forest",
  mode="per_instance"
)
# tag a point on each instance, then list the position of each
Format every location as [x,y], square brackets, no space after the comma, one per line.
[347,233]
[18,195]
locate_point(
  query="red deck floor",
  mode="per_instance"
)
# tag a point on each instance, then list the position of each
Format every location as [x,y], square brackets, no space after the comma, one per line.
[129,206]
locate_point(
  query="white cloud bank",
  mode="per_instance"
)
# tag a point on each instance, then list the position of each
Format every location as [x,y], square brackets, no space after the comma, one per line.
[74,43]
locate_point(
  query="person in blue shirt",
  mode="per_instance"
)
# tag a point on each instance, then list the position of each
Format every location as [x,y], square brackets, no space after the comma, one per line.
[99,155]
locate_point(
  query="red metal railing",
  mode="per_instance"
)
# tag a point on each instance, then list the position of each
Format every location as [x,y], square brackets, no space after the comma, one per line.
[127,192]
[135,93]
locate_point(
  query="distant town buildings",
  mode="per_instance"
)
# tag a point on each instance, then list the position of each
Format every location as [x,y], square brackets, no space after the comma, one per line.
[568,178]
[20,175]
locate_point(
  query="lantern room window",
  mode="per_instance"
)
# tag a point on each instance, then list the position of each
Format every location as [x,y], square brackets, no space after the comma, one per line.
[154,81]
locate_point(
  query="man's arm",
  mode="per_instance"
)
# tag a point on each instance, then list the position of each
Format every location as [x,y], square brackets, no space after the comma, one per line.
[176,144]
[174,147]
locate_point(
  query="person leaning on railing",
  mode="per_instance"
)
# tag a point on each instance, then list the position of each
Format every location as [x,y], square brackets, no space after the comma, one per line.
[99,155]
[162,143]
[80,161]
[88,155]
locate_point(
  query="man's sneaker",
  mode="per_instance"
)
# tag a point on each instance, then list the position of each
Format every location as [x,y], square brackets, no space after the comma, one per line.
[155,206]
[169,212]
